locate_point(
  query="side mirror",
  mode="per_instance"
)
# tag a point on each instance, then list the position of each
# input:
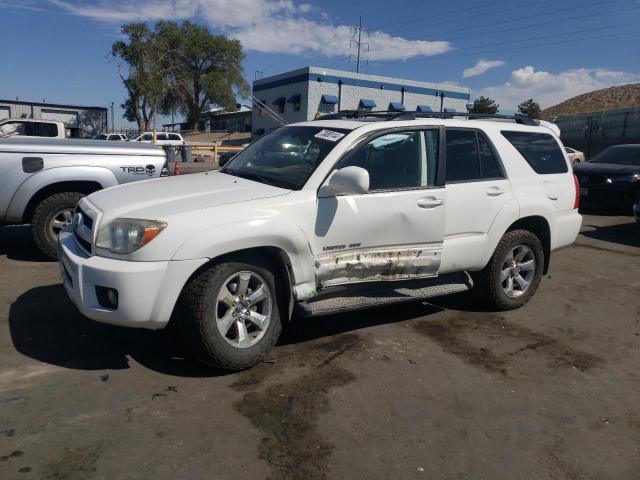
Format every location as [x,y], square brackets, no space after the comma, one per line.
[346,181]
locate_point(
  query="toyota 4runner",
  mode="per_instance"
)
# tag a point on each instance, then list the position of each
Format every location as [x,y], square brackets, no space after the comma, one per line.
[350,211]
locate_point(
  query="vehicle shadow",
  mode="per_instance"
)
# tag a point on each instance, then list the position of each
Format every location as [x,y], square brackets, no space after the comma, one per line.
[623,234]
[45,325]
[16,243]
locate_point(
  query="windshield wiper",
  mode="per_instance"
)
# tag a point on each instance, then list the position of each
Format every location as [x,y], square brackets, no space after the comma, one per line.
[256,177]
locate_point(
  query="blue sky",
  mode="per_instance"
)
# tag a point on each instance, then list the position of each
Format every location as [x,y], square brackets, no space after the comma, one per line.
[510,50]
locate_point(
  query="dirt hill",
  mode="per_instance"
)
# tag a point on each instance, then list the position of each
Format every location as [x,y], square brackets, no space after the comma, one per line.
[612,98]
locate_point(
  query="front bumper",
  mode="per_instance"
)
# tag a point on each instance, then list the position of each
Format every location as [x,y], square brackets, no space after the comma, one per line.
[147,291]
[609,193]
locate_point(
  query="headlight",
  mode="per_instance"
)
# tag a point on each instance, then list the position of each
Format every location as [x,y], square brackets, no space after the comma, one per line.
[626,178]
[126,235]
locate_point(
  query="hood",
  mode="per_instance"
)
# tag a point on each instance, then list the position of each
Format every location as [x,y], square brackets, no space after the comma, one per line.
[161,198]
[609,169]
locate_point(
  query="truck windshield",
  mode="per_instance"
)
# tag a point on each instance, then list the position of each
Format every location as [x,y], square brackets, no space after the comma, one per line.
[286,157]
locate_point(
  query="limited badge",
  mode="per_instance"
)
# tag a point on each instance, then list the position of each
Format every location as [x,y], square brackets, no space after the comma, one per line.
[329,135]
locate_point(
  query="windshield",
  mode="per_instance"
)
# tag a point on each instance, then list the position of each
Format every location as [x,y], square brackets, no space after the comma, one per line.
[286,157]
[619,156]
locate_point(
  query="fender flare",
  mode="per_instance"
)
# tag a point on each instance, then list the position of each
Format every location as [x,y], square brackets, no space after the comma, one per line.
[527,207]
[51,176]
[277,233]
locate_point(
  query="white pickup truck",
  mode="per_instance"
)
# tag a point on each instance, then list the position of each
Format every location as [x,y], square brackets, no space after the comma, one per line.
[357,210]
[42,179]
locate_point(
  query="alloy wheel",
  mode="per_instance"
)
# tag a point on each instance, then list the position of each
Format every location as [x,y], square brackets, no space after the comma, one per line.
[243,309]
[518,270]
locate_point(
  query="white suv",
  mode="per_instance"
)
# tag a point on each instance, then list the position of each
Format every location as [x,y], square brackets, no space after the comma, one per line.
[321,217]
[162,138]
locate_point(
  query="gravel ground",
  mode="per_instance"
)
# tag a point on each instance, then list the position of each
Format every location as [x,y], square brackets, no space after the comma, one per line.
[434,390]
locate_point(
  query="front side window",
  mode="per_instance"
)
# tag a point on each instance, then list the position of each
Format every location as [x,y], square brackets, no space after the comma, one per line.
[540,150]
[147,137]
[398,160]
[12,128]
[286,157]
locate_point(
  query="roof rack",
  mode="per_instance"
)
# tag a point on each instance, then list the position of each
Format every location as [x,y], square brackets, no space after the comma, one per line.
[387,115]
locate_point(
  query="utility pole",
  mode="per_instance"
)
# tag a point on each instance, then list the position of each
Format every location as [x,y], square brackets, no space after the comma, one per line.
[113,124]
[358,44]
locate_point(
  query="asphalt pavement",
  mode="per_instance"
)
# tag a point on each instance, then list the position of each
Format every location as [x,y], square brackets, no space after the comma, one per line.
[439,390]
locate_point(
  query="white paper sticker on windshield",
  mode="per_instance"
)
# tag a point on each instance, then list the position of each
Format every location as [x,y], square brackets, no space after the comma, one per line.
[329,135]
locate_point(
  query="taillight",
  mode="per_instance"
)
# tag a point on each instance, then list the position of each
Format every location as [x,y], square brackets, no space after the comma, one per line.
[576,201]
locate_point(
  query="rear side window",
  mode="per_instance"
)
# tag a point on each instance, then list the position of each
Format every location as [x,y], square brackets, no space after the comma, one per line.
[174,136]
[540,150]
[462,156]
[470,157]
[45,129]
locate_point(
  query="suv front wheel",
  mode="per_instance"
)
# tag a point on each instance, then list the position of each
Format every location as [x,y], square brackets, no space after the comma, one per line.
[230,316]
[513,274]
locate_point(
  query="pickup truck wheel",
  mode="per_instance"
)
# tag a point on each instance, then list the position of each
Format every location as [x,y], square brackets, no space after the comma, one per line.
[230,315]
[50,216]
[514,271]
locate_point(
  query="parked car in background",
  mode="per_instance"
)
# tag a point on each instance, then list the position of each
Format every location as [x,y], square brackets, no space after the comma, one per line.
[612,176]
[41,180]
[325,216]
[118,137]
[575,156]
[28,127]
[162,138]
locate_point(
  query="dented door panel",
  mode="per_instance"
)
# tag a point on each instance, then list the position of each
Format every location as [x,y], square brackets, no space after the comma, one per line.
[377,264]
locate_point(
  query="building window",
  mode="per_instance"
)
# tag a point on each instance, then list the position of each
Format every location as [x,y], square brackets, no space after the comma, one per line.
[279,103]
[295,101]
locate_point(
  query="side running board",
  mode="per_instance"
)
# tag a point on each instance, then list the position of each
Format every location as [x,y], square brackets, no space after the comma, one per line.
[370,295]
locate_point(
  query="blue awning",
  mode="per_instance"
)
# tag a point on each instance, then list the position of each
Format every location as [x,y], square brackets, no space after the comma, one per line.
[450,110]
[330,99]
[424,108]
[396,107]
[366,103]
[279,101]
[294,99]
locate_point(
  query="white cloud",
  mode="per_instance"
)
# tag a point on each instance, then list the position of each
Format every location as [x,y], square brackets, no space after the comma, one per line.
[481,67]
[269,26]
[549,89]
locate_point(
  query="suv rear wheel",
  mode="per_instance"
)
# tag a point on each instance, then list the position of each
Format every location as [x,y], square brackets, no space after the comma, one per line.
[230,316]
[50,216]
[513,274]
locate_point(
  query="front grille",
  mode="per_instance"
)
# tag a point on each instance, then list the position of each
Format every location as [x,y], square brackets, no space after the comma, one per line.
[83,229]
[83,243]
[86,219]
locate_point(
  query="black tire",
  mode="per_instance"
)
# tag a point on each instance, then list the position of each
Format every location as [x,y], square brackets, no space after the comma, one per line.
[488,285]
[197,312]
[43,217]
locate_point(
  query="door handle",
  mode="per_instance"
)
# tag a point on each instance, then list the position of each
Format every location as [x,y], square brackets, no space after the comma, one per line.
[430,202]
[495,191]
[552,197]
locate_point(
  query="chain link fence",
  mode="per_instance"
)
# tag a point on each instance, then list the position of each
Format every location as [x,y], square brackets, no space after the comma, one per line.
[593,132]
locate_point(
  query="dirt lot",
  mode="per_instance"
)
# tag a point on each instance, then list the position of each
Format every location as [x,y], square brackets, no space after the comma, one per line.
[425,391]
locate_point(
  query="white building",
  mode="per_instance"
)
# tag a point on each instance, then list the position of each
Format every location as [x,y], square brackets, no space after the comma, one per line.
[303,94]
